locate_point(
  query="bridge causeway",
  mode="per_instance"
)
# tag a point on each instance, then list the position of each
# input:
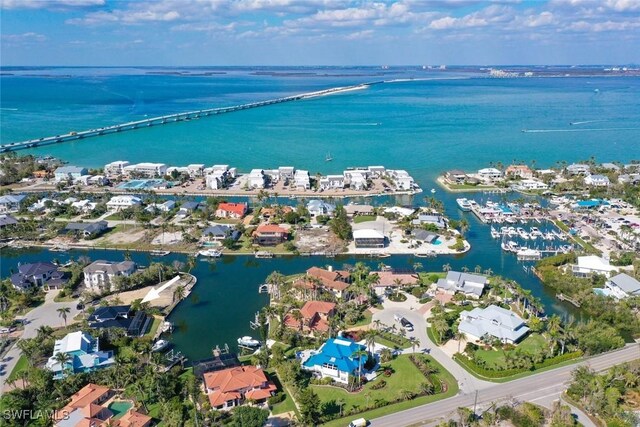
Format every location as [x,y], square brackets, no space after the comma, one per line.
[171,118]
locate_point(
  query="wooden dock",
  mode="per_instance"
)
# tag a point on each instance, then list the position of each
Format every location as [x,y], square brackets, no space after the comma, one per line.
[563,297]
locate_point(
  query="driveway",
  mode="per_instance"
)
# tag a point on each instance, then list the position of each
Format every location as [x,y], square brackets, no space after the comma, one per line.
[410,309]
[46,314]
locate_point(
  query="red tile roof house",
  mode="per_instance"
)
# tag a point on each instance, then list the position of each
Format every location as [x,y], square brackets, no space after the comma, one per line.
[230,387]
[270,235]
[231,210]
[334,281]
[315,316]
[391,279]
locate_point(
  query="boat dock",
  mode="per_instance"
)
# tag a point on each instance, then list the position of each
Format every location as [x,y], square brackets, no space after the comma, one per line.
[563,297]
[170,118]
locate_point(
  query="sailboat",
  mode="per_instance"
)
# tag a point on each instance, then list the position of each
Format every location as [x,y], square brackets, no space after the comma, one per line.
[328,158]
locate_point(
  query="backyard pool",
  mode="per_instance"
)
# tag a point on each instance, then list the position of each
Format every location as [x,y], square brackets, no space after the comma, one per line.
[142,184]
[119,407]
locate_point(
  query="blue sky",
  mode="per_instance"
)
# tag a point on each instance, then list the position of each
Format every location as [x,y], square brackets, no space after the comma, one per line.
[317,32]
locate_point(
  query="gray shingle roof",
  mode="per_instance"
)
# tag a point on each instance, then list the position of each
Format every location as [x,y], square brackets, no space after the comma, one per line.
[626,283]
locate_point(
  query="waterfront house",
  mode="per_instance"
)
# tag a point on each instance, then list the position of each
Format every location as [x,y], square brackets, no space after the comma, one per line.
[87,230]
[456,176]
[270,235]
[332,182]
[597,181]
[124,201]
[492,322]
[334,281]
[301,180]
[610,167]
[519,171]
[220,360]
[377,171]
[403,181]
[578,169]
[390,279]
[272,175]
[10,203]
[490,174]
[629,178]
[623,286]
[72,173]
[318,207]
[399,211]
[84,355]
[230,387]
[146,169]
[7,221]
[471,285]
[38,274]
[368,238]
[274,212]
[256,179]
[354,210]
[187,208]
[116,168]
[531,184]
[423,236]
[356,180]
[315,317]
[286,173]
[430,219]
[219,176]
[592,264]
[338,359]
[232,210]
[219,232]
[99,276]
[195,170]
[166,206]
[96,180]
[121,317]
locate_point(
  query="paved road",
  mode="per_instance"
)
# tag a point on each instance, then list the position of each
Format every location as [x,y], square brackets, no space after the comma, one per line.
[467,382]
[540,387]
[46,314]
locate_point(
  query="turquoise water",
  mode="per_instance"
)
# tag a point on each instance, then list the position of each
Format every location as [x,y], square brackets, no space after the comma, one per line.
[424,127]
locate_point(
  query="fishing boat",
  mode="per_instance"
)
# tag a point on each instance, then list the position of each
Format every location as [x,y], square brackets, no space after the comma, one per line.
[159,345]
[512,246]
[527,254]
[248,341]
[534,232]
[464,204]
[511,231]
[523,234]
[166,327]
[495,233]
[429,254]
[328,157]
[210,253]
[263,254]
[159,253]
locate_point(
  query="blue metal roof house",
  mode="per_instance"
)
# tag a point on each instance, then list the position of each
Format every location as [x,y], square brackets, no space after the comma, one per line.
[337,359]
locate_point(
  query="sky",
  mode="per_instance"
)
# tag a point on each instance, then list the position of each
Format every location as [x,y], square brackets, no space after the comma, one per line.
[318,32]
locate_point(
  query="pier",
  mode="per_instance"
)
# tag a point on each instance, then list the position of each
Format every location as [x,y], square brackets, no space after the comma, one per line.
[562,297]
[171,118]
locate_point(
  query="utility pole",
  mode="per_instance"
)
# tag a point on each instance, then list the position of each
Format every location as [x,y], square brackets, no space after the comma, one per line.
[475,401]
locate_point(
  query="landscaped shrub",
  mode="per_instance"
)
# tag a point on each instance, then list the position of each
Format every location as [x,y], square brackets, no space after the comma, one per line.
[277,398]
[494,373]
[380,384]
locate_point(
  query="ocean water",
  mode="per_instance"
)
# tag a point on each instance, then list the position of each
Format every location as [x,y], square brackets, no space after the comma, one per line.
[423,126]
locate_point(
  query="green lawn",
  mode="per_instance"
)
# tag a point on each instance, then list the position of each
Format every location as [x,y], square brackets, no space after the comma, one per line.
[365,320]
[154,326]
[363,218]
[21,365]
[495,358]
[388,339]
[405,377]
[286,405]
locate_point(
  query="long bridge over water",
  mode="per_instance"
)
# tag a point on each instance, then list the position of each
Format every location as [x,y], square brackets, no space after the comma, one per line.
[171,118]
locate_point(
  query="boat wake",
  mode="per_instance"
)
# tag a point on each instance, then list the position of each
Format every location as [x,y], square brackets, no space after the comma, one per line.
[575,130]
[585,122]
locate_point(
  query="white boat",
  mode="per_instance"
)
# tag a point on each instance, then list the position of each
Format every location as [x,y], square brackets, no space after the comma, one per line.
[523,234]
[512,246]
[328,158]
[159,345]
[534,232]
[549,236]
[60,248]
[159,253]
[248,341]
[264,254]
[464,204]
[433,190]
[495,233]
[210,253]
[511,231]
[528,254]
[511,220]
[166,327]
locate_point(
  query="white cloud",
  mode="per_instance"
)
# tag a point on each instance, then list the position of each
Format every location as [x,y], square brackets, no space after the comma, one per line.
[29,37]
[49,4]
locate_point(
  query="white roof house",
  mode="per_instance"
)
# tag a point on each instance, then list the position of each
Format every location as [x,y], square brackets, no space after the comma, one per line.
[84,353]
[597,180]
[578,169]
[469,284]
[399,210]
[492,321]
[123,202]
[490,173]
[116,168]
[531,184]
[256,179]
[592,264]
[301,180]
[623,286]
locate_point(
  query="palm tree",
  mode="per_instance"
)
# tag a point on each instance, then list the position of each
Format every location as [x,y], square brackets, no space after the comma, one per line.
[377,323]
[370,339]
[63,359]
[298,317]
[488,272]
[465,269]
[459,336]
[426,388]
[415,342]
[359,354]
[63,312]
[446,267]
[178,293]
[478,269]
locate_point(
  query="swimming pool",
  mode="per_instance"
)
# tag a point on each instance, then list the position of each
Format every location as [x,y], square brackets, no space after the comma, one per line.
[602,292]
[141,184]
[120,407]
[436,242]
